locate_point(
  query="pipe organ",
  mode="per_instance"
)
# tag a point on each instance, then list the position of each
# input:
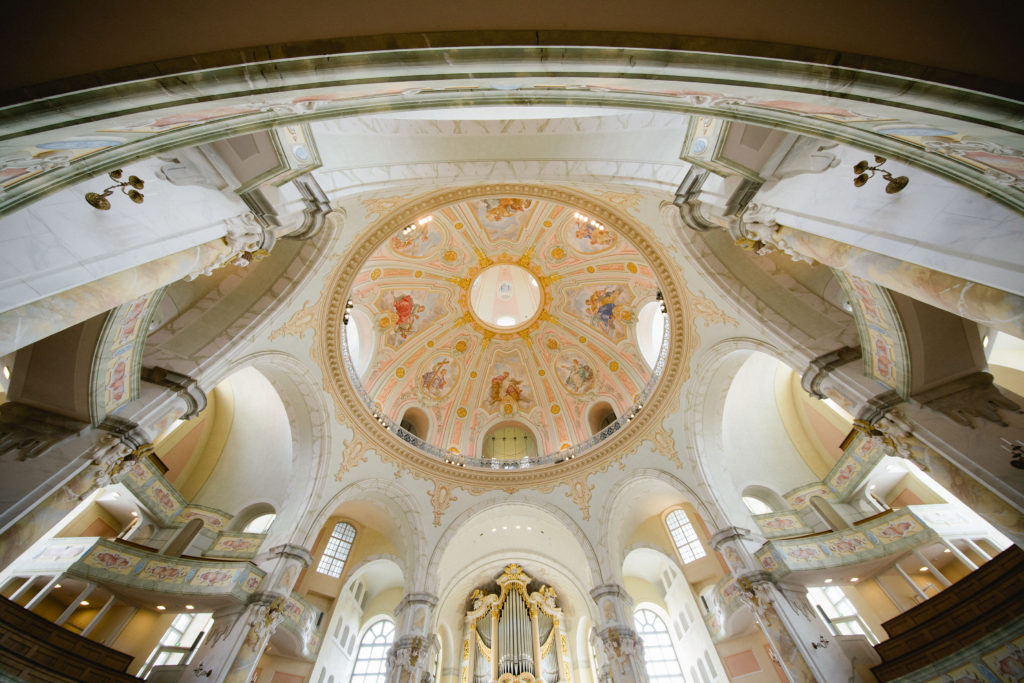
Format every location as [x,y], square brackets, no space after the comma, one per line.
[515,635]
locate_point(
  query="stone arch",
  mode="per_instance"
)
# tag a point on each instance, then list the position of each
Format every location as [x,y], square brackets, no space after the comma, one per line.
[615,513]
[712,379]
[311,436]
[558,515]
[404,511]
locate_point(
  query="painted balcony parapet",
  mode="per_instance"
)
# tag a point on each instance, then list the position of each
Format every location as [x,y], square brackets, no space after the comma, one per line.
[300,620]
[887,534]
[235,545]
[845,477]
[163,501]
[113,564]
[725,601]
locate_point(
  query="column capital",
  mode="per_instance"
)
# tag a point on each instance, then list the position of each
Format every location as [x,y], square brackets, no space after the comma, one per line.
[288,551]
[185,387]
[726,534]
[822,366]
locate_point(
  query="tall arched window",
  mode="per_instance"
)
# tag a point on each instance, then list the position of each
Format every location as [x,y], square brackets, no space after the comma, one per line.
[659,654]
[684,536]
[372,659]
[332,562]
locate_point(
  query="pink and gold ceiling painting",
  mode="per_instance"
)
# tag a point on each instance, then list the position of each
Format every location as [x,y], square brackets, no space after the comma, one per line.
[504,311]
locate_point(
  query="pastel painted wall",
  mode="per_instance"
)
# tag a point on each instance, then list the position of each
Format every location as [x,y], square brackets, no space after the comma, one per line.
[751,425]
[257,454]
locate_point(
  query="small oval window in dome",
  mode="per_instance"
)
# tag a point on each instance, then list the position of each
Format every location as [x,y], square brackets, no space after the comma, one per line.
[650,330]
[359,337]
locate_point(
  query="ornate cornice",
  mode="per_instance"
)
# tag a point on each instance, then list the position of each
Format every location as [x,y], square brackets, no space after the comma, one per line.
[422,465]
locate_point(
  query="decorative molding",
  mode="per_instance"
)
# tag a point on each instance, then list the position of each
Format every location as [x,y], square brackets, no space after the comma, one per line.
[708,311]
[820,368]
[303,319]
[579,493]
[663,444]
[185,387]
[973,396]
[440,498]
[351,456]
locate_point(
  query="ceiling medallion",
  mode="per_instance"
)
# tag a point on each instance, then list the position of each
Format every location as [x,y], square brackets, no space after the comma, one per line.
[542,333]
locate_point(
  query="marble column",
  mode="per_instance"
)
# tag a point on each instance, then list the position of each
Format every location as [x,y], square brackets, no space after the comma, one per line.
[244,241]
[241,633]
[411,659]
[622,647]
[956,466]
[785,616]
[985,305]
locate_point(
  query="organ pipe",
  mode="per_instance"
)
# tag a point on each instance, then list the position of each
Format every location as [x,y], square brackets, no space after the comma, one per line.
[515,633]
[515,647]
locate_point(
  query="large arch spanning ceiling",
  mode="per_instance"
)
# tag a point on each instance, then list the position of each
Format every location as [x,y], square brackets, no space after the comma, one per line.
[505,309]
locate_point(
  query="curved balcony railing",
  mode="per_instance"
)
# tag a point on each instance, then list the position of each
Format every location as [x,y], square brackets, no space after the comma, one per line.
[111,564]
[389,425]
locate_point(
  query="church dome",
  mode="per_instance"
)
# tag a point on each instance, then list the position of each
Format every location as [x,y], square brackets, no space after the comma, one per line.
[505,331]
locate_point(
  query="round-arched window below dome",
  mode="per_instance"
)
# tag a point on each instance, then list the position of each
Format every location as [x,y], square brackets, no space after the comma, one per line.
[359,337]
[650,330]
[509,442]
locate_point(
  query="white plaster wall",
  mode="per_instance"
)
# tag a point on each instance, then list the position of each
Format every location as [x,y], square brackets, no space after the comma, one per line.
[61,242]
[932,222]
[256,460]
[757,448]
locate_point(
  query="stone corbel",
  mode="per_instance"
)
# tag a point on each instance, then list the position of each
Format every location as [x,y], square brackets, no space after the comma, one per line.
[288,551]
[759,231]
[318,206]
[28,432]
[247,241]
[184,386]
[973,396]
[823,365]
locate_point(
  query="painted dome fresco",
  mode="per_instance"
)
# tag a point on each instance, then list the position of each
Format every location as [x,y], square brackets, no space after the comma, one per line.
[502,328]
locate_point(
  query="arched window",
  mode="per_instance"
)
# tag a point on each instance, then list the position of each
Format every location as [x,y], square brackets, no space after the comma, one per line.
[332,562]
[372,659]
[659,654]
[684,536]
[260,524]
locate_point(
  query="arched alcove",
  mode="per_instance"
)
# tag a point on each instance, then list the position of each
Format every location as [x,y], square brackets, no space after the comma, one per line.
[415,421]
[508,441]
[600,415]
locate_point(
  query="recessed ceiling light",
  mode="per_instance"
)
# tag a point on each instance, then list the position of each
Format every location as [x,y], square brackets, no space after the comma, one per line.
[189,607]
[529,528]
[57,586]
[84,603]
[134,513]
[854,579]
[7,372]
[947,550]
[518,527]
[493,530]
[872,487]
[924,569]
[161,608]
[505,528]
[828,580]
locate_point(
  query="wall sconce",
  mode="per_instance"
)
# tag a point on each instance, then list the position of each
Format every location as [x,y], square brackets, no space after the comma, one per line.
[821,643]
[1016,451]
[894,185]
[100,201]
[349,305]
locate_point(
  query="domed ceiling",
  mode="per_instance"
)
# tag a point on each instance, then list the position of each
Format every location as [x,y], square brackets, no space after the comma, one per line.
[505,311]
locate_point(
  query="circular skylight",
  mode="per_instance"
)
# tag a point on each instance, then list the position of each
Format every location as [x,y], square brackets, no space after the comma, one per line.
[505,295]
